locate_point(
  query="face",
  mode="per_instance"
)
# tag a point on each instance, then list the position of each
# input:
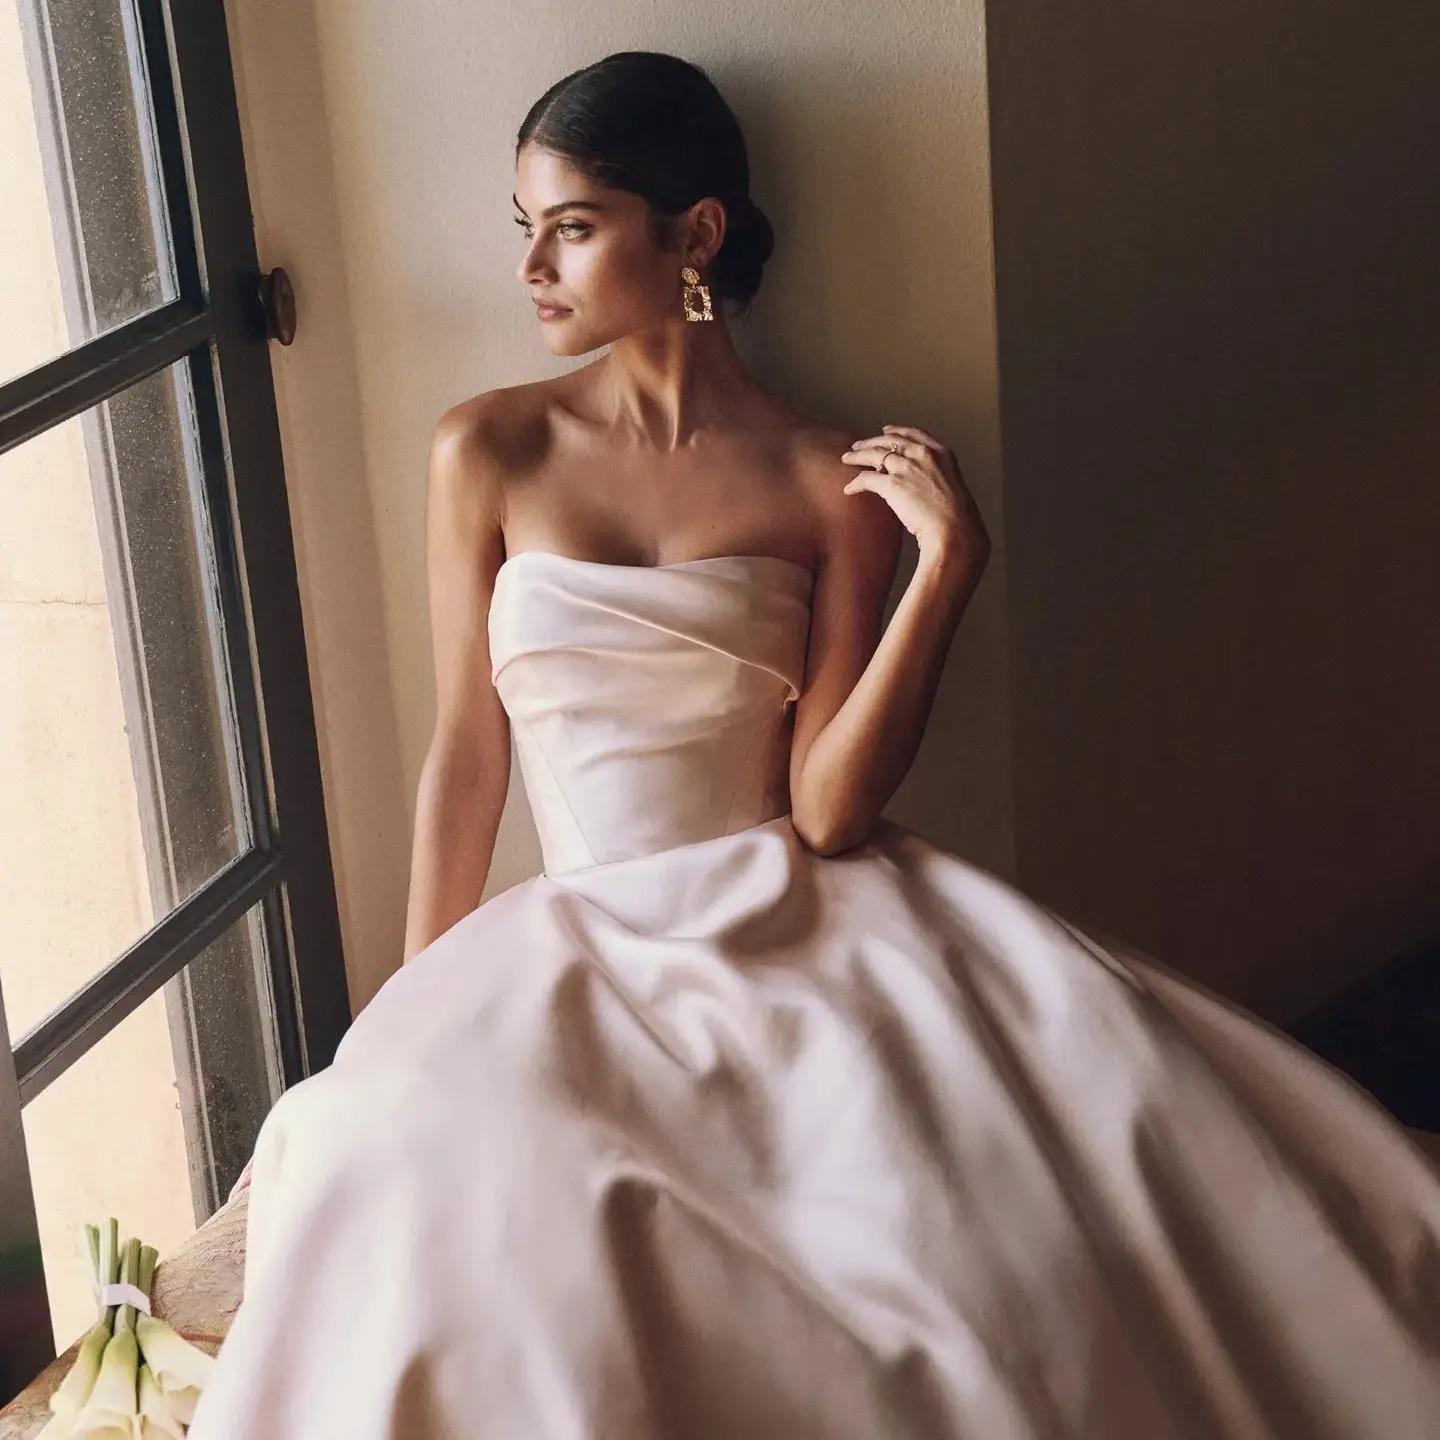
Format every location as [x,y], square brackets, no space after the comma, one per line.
[589,249]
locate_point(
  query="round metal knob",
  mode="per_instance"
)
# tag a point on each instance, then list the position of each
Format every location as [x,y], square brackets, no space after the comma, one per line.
[277,299]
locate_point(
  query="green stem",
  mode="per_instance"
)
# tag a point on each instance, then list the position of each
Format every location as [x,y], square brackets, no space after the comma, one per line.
[92,1240]
[149,1258]
[109,1244]
[129,1273]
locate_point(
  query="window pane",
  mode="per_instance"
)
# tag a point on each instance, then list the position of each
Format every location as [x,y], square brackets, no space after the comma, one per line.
[118,759]
[85,244]
[142,1129]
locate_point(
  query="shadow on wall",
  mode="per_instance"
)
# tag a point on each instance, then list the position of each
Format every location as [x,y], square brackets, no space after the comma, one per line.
[1215,233]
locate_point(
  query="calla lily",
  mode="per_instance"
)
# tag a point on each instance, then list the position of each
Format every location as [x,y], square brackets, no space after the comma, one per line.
[75,1389]
[113,1409]
[181,1369]
[157,1417]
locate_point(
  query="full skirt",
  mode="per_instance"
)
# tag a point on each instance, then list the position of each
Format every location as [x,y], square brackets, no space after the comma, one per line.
[734,1141]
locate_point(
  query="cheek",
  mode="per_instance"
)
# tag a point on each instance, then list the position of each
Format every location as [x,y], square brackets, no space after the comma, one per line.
[618,275]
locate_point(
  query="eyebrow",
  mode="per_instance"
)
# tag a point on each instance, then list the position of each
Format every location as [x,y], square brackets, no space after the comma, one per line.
[550,210]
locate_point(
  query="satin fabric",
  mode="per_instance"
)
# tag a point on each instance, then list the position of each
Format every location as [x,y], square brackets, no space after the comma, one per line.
[700,1134]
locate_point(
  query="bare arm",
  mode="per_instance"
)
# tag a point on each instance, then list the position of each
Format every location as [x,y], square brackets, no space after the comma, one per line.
[466,773]
[868,695]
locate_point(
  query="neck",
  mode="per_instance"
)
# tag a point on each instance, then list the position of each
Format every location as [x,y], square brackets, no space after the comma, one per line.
[665,386]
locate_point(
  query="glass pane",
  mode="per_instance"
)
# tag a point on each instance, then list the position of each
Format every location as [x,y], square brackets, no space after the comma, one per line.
[153,1124]
[118,760]
[85,244]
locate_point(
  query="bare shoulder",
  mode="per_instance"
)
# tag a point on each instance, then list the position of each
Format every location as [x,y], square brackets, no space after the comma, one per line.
[858,532]
[480,443]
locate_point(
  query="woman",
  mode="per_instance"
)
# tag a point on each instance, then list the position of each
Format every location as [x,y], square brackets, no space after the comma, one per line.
[757,1114]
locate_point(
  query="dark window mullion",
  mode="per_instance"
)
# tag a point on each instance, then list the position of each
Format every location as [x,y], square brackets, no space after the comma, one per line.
[25,1323]
[81,378]
[217,505]
[244,394]
[58,1041]
[214,507]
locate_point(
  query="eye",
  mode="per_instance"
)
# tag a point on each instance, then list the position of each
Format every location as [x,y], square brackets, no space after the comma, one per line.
[571,229]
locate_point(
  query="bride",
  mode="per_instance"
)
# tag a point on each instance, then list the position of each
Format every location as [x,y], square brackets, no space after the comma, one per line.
[756,1114]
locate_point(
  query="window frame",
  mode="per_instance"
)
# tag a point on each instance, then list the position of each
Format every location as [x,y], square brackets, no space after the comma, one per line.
[217,329]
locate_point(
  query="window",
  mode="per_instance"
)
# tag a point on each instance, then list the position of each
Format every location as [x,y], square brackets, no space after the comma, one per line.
[170,959]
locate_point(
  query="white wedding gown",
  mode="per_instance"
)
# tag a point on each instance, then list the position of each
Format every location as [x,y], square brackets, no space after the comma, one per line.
[701,1134]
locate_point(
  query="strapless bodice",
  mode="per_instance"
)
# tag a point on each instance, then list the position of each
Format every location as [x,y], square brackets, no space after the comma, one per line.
[651,705]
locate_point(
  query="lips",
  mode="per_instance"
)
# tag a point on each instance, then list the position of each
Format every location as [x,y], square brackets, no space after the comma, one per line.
[545,308]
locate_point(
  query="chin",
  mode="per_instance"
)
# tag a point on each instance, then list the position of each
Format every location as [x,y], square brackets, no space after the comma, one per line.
[560,342]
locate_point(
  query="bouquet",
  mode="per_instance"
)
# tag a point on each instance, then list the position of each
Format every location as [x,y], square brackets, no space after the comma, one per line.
[134,1376]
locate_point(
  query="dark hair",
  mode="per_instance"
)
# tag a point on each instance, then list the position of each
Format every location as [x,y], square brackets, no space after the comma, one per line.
[655,125]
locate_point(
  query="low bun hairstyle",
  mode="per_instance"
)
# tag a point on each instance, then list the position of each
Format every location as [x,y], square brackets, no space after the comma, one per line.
[655,125]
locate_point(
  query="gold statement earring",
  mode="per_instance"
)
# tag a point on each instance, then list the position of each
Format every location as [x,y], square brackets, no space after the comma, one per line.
[695,293]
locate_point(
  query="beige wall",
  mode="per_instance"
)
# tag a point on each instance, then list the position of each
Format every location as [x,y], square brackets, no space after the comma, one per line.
[380,145]
[1216,235]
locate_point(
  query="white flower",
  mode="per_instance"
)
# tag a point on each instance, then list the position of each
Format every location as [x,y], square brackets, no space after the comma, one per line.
[113,1409]
[181,1369]
[75,1388]
[157,1418]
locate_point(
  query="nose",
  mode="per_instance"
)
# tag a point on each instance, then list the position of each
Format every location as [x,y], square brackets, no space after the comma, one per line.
[532,264]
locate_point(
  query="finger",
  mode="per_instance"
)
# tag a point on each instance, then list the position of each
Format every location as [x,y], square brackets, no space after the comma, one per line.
[884,442]
[872,461]
[922,437]
[872,450]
